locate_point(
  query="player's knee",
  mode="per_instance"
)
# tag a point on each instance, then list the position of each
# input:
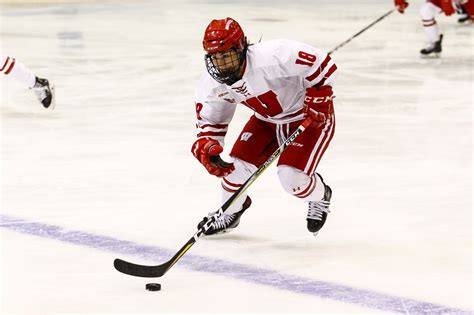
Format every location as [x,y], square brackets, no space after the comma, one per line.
[293,180]
[426,13]
[243,170]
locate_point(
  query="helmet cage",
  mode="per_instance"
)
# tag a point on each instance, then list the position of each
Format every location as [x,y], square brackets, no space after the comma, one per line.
[232,67]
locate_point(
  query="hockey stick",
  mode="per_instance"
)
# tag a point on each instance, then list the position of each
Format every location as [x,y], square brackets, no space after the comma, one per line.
[361,31]
[159,270]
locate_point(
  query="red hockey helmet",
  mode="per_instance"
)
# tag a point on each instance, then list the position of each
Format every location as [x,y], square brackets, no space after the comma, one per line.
[222,35]
[226,47]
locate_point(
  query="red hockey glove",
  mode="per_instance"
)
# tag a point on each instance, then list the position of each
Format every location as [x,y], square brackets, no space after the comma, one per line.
[207,152]
[401,5]
[318,104]
[447,7]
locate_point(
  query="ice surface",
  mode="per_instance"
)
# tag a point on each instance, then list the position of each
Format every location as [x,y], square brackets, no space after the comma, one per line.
[113,161]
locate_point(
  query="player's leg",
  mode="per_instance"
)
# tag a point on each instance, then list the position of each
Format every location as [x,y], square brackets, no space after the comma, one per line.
[254,146]
[461,10]
[14,69]
[230,219]
[297,172]
[434,38]
[468,8]
[311,189]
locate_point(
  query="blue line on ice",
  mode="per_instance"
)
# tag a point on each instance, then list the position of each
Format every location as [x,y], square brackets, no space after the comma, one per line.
[296,284]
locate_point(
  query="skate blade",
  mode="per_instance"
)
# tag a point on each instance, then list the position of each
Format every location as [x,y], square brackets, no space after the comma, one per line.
[218,234]
[431,56]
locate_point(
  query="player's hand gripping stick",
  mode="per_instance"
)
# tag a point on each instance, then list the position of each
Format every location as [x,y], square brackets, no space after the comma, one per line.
[318,104]
[207,151]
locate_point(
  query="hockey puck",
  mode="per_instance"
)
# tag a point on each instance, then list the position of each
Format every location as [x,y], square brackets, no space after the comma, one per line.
[153,286]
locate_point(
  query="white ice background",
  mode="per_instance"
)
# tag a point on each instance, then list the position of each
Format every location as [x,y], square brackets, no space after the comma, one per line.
[113,159]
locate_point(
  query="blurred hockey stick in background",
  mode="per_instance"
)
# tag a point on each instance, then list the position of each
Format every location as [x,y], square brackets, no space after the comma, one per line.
[159,270]
[361,31]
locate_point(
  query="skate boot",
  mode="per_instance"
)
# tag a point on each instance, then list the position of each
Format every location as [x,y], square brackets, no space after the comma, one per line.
[433,48]
[318,211]
[45,92]
[464,18]
[226,222]
[462,12]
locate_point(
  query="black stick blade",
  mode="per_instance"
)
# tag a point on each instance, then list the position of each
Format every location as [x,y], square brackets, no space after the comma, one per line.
[153,271]
[140,270]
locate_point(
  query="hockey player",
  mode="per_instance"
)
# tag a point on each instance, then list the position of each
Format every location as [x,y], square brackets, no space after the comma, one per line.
[12,68]
[283,82]
[427,12]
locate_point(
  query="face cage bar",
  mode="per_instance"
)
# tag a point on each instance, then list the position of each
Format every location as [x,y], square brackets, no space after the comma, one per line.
[228,77]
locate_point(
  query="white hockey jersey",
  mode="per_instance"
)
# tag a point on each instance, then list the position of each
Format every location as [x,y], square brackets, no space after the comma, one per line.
[273,85]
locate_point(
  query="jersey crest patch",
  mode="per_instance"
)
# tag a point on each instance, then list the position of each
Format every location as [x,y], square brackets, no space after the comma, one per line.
[245,136]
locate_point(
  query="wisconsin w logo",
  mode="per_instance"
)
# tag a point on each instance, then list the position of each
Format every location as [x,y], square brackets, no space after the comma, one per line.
[245,136]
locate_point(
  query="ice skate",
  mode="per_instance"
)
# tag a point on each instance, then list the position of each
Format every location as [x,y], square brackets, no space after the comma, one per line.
[45,92]
[226,222]
[433,49]
[464,15]
[318,211]
[464,18]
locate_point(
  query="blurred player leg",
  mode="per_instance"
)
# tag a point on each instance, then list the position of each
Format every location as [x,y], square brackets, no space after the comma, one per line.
[468,9]
[13,69]
[427,12]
